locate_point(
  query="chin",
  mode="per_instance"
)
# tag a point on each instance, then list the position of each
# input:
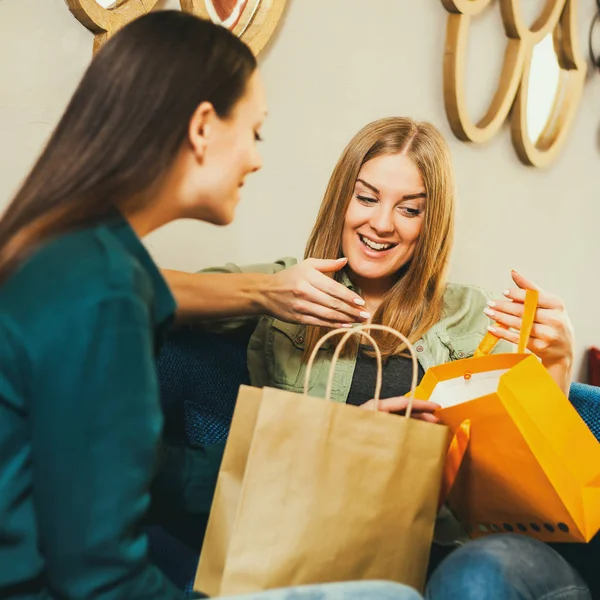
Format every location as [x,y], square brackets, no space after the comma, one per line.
[220,214]
[227,214]
[372,274]
[365,270]
[223,219]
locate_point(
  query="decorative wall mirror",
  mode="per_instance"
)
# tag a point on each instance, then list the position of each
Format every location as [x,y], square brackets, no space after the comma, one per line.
[540,84]
[105,17]
[254,21]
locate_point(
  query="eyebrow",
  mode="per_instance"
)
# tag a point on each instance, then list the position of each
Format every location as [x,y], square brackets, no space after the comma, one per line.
[407,197]
[371,187]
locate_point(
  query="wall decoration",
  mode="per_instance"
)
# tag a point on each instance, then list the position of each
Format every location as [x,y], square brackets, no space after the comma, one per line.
[594,55]
[254,21]
[103,21]
[558,19]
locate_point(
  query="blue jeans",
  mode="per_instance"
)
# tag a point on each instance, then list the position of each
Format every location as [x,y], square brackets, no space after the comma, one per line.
[505,567]
[363,590]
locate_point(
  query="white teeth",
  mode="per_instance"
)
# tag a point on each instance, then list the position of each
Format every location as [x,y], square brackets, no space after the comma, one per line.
[374,245]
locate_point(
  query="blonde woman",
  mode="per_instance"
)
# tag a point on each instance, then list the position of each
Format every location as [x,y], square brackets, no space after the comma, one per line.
[388,217]
[385,229]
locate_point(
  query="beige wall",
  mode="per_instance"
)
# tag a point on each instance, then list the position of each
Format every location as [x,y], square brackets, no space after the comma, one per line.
[334,65]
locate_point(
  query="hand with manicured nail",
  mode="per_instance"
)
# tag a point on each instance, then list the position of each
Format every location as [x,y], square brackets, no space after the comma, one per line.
[421,409]
[305,294]
[552,333]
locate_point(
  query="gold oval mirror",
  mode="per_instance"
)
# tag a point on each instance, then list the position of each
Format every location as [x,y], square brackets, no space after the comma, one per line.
[544,78]
[254,21]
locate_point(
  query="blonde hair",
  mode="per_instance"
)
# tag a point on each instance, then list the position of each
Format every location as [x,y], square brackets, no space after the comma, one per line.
[414,304]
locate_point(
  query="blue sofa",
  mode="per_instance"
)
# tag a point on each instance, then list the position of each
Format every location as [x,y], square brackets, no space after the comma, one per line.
[200,373]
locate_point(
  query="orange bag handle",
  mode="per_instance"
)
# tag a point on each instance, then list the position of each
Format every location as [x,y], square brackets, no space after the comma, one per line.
[490,340]
[454,458]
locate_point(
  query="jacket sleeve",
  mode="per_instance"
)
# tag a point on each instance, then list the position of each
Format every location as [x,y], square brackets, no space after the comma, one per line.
[96,419]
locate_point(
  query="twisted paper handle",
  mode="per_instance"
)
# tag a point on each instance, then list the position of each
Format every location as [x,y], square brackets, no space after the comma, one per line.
[361,330]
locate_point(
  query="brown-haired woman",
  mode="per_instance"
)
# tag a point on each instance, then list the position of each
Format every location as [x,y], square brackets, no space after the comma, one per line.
[163,125]
[389,212]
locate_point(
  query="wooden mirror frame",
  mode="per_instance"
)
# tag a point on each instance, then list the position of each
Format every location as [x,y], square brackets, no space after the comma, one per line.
[559,18]
[255,26]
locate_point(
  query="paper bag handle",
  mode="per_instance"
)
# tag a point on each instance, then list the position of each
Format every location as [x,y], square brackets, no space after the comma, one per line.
[454,458]
[360,329]
[347,333]
[530,307]
[402,338]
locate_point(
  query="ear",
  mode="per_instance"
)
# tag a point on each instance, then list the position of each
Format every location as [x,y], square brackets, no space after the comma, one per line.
[200,128]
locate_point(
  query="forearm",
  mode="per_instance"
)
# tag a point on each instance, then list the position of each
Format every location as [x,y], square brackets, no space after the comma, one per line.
[206,296]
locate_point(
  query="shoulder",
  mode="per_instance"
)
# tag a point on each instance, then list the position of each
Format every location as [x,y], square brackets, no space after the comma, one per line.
[72,271]
[463,309]
[465,298]
[98,257]
[462,326]
[263,268]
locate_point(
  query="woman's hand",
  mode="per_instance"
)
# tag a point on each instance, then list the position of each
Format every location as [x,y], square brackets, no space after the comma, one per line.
[551,335]
[421,409]
[304,294]
[300,294]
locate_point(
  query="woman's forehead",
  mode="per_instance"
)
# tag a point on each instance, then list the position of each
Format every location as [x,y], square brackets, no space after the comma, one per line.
[391,172]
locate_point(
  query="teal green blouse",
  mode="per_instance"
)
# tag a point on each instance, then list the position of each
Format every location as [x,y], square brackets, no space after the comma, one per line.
[80,422]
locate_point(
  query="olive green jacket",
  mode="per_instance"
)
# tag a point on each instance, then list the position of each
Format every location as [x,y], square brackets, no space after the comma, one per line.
[276,348]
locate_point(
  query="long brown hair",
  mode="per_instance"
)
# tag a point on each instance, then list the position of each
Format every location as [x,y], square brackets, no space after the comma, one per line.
[124,126]
[414,304]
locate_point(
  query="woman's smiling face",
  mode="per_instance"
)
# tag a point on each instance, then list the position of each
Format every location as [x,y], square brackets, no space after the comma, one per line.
[384,218]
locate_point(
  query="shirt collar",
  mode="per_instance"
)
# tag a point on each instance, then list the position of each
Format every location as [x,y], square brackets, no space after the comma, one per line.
[163,302]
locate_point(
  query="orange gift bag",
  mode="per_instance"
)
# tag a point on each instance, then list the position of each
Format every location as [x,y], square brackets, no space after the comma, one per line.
[522,459]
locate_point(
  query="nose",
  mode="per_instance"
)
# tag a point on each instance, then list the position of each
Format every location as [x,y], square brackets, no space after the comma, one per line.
[256,162]
[382,219]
